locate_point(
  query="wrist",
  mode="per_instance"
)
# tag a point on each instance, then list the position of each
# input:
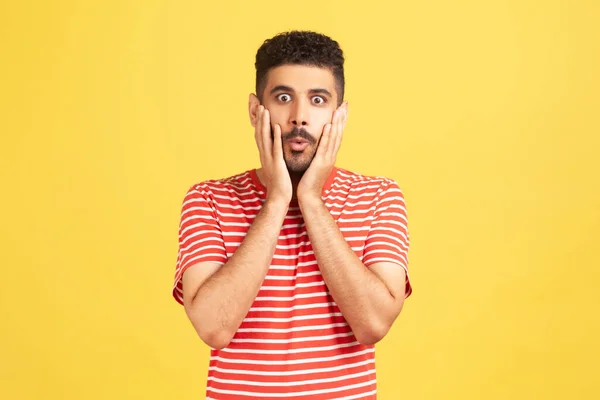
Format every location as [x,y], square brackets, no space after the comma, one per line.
[277,201]
[310,200]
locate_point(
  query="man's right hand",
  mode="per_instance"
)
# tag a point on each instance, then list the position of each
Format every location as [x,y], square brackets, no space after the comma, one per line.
[275,174]
[217,297]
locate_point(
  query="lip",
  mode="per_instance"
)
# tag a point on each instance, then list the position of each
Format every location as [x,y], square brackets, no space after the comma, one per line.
[298,144]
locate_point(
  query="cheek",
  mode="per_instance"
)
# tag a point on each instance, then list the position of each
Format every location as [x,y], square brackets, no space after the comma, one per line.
[278,114]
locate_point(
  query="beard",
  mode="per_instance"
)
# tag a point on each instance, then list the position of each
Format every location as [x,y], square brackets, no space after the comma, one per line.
[297,162]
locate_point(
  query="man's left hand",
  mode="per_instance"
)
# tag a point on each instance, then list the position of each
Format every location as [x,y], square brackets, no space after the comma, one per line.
[313,180]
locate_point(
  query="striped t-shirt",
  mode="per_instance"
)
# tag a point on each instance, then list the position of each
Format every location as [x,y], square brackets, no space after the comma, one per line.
[294,342]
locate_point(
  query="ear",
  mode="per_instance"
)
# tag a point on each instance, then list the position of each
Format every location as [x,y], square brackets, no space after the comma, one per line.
[253,104]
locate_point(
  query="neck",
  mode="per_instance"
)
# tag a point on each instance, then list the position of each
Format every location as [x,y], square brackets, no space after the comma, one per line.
[295,178]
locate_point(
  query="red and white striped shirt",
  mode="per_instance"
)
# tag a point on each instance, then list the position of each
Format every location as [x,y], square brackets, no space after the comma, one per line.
[294,342]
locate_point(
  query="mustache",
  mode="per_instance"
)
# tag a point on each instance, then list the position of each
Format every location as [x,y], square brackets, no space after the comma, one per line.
[296,133]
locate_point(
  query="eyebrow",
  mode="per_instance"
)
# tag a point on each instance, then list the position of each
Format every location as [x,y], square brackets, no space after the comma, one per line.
[283,88]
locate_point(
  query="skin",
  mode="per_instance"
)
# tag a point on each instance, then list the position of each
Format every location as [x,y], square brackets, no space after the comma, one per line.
[299,97]
[217,298]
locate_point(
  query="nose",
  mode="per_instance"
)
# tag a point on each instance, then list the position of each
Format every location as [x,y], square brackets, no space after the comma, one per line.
[299,115]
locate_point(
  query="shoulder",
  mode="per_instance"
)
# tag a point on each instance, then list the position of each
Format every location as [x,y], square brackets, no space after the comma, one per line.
[357,181]
[222,192]
[238,183]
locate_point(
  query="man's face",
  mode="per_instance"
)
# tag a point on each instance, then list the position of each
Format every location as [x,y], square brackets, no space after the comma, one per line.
[301,99]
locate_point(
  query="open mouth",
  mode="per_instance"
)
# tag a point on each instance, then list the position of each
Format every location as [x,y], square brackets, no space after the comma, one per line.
[298,144]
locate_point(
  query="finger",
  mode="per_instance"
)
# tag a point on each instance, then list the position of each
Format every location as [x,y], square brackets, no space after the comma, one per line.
[333,132]
[338,137]
[257,135]
[277,145]
[324,142]
[266,133]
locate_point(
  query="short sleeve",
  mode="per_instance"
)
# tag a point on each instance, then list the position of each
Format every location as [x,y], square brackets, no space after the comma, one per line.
[388,239]
[200,236]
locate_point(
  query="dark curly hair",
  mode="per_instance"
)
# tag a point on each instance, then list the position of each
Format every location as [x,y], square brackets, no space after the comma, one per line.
[303,48]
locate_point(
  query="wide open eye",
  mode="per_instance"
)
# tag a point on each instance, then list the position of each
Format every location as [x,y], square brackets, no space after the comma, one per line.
[284,97]
[319,100]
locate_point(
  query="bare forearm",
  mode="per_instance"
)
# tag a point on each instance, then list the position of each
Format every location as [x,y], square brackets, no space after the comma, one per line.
[223,301]
[362,297]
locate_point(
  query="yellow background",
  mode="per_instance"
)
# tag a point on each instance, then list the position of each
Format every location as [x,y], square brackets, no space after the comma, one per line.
[485,112]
